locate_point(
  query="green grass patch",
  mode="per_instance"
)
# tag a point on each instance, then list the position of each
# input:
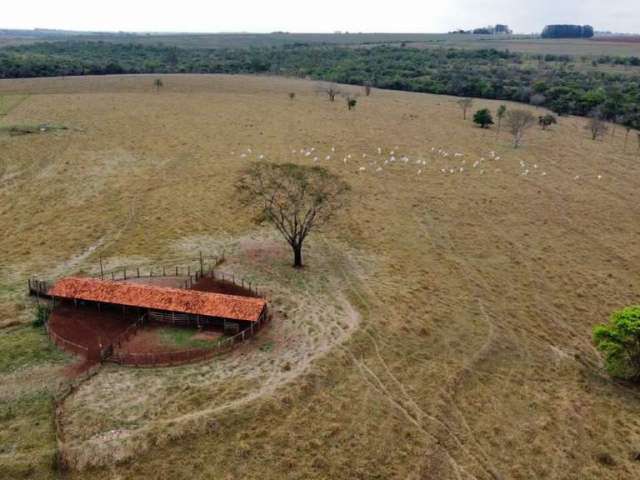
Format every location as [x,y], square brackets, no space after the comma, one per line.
[25,346]
[27,437]
[184,338]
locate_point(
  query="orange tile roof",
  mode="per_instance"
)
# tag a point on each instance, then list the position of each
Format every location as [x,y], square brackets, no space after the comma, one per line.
[160,298]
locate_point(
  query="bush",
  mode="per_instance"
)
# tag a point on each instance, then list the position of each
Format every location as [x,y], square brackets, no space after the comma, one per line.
[619,341]
[483,118]
[42,316]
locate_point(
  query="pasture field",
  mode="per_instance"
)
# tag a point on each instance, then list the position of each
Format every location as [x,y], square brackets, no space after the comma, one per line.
[614,46]
[440,330]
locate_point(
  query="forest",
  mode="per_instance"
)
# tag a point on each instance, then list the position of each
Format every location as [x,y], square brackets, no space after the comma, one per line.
[554,81]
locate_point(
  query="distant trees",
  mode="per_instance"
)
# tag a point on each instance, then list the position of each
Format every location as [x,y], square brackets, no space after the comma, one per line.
[545,121]
[567,31]
[465,104]
[537,100]
[619,341]
[596,125]
[484,73]
[502,110]
[296,199]
[351,102]
[158,84]
[483,118]
[518,122]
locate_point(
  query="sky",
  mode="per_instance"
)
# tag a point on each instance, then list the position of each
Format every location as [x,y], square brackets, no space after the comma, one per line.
[420,16]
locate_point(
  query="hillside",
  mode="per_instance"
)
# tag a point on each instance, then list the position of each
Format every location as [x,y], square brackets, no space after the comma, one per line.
[441,328]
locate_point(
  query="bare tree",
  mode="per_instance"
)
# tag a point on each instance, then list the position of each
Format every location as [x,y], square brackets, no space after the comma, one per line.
[329,89]
[518,122]
[501,112]
[596,125]
[367,88]
[158,84]
[296,199]
[465,104]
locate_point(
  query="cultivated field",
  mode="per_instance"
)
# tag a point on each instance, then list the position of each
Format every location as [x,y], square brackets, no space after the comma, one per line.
[441,329]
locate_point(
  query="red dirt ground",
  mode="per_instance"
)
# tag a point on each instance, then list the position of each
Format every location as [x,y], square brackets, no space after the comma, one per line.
[87,326]
[207,284]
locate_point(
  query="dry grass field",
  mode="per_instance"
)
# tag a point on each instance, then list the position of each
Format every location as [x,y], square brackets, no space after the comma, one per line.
[441,328]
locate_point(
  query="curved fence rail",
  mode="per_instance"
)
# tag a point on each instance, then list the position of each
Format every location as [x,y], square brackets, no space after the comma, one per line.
[66,344]
[182,357]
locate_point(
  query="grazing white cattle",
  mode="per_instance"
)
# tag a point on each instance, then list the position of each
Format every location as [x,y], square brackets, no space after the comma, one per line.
[349,156]
[364,155]
[345,160]
[476,163]
[419,172]
[497,158]
[362,169]
[333,149]
[543,174]
[260,157]
[392,159]
[315,159]
[392,152]
[458,155]
[328,157]
[243,155]
[248,150]
[379,169]
[481,172]
[379,151]
[461,169]
[599,177]
[308,154]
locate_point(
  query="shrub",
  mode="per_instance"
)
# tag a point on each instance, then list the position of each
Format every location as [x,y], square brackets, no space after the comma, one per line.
[483,118]
[42,316]
[619,341]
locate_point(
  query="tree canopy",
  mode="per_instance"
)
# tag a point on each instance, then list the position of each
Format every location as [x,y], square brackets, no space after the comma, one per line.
[296,199]
[619,341]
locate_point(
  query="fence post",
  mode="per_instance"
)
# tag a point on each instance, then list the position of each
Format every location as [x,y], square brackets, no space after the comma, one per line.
[138,271]
[164,273]
[125,273]
[176,271]
[113,276]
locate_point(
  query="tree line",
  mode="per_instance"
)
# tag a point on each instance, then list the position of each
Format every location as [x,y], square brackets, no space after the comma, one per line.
[567,31]
[554,83]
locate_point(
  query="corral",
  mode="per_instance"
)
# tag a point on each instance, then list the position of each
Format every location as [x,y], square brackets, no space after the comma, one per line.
[99,319]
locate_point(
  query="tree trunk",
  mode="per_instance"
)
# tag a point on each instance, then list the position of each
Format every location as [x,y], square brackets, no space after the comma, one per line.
[297,256]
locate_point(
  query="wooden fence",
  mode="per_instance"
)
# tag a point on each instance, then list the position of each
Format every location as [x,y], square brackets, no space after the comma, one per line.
[163,359]
[40,288]
[66,344]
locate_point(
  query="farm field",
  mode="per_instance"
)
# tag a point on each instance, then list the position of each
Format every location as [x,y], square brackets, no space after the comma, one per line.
[614,46]
[441,328]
